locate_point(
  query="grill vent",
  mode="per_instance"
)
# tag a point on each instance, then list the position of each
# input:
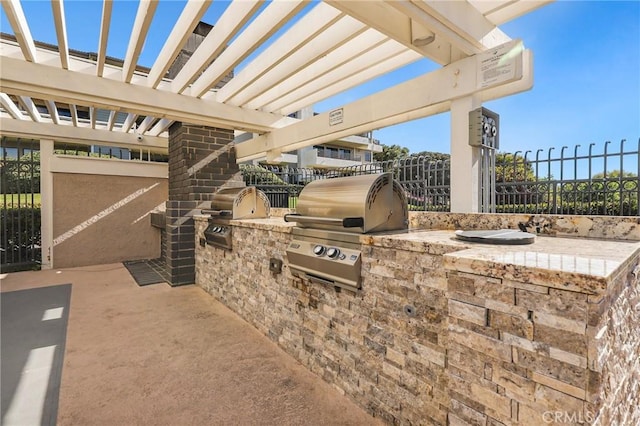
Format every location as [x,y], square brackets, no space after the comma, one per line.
[397,189]
[238,199]
[376,188]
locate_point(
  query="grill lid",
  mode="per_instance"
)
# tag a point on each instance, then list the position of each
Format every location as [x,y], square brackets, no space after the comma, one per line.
[244,202]
[365,203]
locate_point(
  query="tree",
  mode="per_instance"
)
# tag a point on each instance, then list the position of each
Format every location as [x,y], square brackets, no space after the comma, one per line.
[613,193]
[432,156]
[391,152]
[516,182]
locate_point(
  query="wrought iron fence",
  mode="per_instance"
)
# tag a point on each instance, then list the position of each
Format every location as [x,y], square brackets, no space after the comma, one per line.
[425,182]
[588,181]
[20,233]
[581,181]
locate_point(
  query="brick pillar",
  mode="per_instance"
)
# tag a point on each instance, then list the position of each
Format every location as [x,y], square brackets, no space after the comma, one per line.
[201,160]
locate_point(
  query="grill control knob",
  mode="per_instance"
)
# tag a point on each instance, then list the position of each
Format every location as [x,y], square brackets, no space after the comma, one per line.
[319,250]
[333,253]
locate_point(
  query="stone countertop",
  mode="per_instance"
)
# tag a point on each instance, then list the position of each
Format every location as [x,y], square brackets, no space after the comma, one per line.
[268,224]
[585,265]
[576,264]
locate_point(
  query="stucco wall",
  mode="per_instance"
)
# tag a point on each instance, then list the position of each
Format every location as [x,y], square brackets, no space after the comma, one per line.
[100,219]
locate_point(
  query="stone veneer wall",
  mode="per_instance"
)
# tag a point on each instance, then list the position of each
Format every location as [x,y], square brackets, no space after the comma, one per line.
[528,354]
[475,349]
[615,330]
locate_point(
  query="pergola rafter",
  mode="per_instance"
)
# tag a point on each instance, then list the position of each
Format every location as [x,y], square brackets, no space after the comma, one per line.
[146,9]
[105,23]
[322,50]
[308,27]
[61,32]
[274,16]
[188,20]
[233,18]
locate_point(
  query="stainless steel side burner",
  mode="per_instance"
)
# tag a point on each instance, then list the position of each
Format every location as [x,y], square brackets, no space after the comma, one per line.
[331,216]
[243,202]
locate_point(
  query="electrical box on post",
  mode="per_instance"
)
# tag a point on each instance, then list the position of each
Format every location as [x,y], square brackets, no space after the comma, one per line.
[484,128]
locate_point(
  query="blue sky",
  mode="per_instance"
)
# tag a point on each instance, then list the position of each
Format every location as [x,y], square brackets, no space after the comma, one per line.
[586,70]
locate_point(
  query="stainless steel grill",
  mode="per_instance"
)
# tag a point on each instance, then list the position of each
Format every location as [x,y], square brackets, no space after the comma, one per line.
[331,216]
[243,202]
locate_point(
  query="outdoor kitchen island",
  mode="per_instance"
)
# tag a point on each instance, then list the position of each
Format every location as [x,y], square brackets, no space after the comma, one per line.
[445,331]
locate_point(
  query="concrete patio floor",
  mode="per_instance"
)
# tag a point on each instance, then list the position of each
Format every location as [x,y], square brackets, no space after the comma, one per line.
[158,355]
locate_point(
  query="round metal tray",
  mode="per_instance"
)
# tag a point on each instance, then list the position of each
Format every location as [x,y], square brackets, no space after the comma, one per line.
[497,236]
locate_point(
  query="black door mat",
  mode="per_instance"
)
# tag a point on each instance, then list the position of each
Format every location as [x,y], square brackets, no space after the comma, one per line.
[143,273]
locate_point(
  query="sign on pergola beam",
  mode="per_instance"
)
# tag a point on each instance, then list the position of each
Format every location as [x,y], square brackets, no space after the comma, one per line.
[29,79]
[490,74]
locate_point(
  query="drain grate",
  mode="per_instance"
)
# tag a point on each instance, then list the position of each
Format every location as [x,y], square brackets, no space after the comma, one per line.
[143,273]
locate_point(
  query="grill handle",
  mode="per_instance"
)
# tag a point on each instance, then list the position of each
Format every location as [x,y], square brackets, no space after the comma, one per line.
[347,222]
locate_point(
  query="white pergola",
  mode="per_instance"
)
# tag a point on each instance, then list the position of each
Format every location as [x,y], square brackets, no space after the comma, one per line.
[328,47]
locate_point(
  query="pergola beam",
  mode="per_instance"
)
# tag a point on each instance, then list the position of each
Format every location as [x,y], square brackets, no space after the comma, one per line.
[20,77]
[398,26]
[105,23]
[87,135]
[189,18]
[422,96]
[457,22]
[331,82]
[61,32]
[272,18]
[381,67]
[15,15]
[501,12]
[146,9]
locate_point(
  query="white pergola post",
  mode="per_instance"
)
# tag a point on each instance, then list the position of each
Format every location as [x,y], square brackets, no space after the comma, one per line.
[465,159]
[46,201]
